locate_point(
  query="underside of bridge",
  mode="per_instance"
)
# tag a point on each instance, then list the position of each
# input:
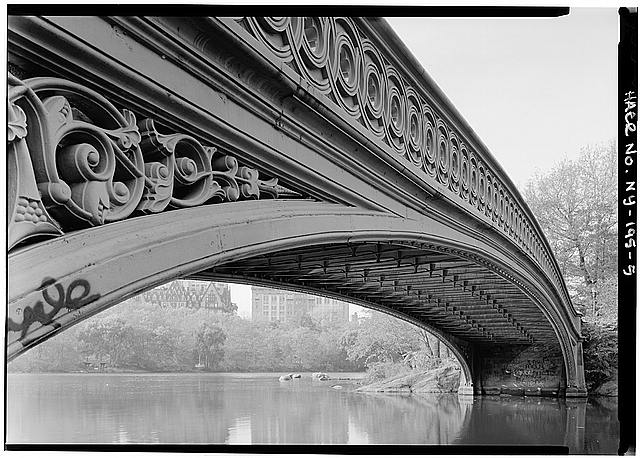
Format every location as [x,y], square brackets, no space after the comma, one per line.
[465,303]
[448,292]
[312,154]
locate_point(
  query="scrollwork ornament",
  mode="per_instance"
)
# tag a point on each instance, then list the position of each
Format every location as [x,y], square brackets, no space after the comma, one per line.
[312,51]
[464,173]
[473,179]
[481,186]
[181,172]
[251,185]
[511,222]
[127,136]
[444,153]
[225,169]
[27,215]
[396,112]
[429,155]
[157,150]
[495,202]
[345,67]
[276,33]
[501,207]
[488,193]
[454,169]
[178,170]
[276,24]
[193,182]
[413,129]
[89,169]
[374,81]
[268,188]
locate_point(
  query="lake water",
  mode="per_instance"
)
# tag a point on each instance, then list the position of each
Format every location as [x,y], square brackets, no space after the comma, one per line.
[258,409]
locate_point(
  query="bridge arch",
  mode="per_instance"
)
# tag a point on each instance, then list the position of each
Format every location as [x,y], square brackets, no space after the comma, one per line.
[60,282]
[123,131]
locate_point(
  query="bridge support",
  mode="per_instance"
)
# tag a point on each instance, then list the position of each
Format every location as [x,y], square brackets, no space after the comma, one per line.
[527,370]
[577,388]
[575,392]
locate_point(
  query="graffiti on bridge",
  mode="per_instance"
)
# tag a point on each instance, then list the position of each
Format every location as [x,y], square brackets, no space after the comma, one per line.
[74,297]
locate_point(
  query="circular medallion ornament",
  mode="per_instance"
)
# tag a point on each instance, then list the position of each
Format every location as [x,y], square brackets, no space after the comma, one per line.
[429,156]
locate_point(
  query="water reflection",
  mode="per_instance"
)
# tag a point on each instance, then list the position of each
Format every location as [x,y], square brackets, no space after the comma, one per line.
[601,426]
[240,432]
[513,421]
[355,434]
[257,409]
[406,419]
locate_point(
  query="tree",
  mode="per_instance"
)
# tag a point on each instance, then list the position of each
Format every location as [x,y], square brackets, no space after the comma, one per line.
[388,347]
[58,354]
[154,347]
[304,320]
[600,353]
[381,338]
[575,204]
[107,338]
[209,345]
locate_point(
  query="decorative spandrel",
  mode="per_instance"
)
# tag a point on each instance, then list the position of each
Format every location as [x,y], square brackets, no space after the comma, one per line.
[75,161]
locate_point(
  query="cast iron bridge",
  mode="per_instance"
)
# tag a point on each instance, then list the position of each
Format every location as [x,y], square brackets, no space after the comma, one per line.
[312,154]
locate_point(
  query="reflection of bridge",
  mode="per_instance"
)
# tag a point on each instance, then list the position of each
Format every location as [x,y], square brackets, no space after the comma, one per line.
[309,153]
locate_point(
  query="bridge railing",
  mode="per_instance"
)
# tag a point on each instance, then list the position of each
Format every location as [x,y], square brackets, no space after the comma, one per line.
[361,66]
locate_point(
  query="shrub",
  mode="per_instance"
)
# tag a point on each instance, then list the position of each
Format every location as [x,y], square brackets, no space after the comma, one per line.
[600,352]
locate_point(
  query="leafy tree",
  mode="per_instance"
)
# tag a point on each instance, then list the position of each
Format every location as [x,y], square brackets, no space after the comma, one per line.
[575,204]
[246,346]
[600,353]
[154,347]
[305,320]
[389,347]
[107,338]
[209,345]
[381,338]
[61,353]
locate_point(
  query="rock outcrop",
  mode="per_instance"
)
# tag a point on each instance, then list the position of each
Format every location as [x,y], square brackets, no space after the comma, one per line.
[443,379]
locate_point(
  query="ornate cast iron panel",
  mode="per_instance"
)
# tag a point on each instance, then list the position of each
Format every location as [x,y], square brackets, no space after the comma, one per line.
[76,161]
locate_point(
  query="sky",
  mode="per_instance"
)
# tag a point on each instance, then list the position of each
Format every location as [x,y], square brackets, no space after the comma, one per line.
[535,90]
